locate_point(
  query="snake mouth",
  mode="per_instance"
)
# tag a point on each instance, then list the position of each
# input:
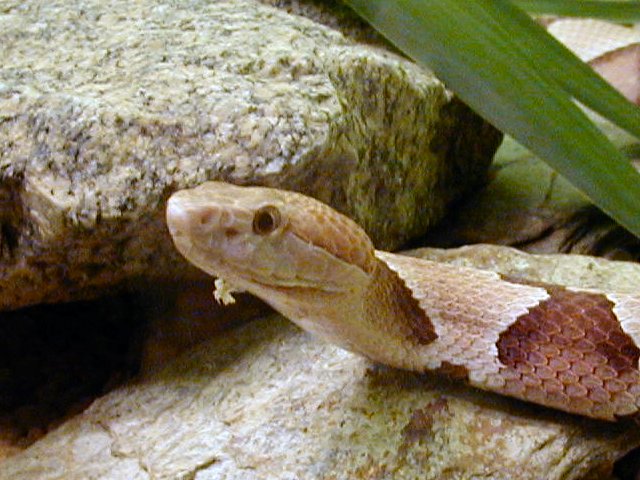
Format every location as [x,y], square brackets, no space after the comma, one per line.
[245,279]
[289,285]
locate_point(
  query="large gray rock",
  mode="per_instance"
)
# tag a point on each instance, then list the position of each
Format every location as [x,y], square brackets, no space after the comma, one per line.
[267,401]
[106,107]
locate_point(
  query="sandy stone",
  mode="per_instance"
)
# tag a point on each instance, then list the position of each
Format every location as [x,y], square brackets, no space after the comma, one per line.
[580,271]
[107,108]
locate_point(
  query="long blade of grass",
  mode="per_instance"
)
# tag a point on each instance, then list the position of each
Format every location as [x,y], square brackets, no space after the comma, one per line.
[470,45]
[557,63]
[614,11]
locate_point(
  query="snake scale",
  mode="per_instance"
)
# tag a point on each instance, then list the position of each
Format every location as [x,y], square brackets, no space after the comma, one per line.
[569,349]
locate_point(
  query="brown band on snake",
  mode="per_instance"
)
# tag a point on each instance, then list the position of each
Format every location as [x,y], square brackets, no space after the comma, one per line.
[398,297]
[571,348]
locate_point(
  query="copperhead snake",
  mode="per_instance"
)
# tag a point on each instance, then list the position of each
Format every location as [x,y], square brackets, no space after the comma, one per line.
[569,349]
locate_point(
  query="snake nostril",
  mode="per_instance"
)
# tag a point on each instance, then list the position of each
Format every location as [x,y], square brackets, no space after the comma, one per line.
[230,232]
[206,217]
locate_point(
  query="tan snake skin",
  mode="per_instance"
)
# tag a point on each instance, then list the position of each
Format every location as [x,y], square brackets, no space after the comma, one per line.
[569,349]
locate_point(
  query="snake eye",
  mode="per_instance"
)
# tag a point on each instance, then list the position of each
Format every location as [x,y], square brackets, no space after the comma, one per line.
[266,220]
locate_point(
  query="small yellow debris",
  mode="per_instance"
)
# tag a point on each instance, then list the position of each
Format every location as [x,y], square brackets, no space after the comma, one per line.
[222,292]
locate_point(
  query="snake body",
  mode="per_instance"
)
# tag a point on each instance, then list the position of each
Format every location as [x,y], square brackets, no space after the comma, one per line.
[569,349]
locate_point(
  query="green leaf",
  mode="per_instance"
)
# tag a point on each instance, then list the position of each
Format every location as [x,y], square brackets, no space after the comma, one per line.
[615,11]
[554,61]
[477,48]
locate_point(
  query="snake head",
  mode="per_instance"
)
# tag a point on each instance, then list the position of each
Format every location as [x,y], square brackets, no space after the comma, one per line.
[260,238]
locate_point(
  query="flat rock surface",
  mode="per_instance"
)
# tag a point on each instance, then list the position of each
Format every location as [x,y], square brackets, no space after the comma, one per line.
[109,106]
[579,271]
[268,401]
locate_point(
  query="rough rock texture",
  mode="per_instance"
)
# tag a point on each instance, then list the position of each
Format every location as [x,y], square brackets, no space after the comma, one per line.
[108,107]
[580,271]
[268,401]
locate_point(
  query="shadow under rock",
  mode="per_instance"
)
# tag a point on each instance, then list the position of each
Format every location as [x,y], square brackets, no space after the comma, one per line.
[56,359]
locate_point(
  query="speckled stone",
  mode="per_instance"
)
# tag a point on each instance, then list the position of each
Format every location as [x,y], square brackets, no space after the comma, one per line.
[106,107]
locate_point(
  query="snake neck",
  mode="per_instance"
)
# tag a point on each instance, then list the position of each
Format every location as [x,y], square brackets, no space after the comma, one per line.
[380,319]
[374,315]
[393,313]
